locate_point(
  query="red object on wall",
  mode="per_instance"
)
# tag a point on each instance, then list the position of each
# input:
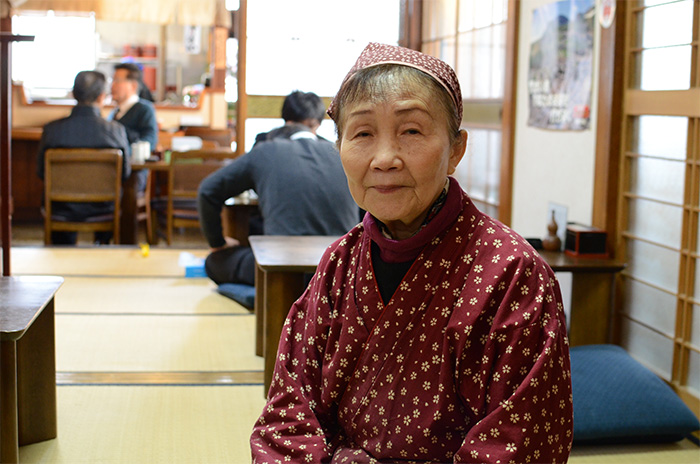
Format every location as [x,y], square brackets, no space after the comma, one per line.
[149,72]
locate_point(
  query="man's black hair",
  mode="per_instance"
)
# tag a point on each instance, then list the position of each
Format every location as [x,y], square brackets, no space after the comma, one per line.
[300,106]
[88,86]
[133,72]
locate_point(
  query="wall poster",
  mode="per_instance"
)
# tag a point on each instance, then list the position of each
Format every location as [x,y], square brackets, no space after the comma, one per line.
[561,62]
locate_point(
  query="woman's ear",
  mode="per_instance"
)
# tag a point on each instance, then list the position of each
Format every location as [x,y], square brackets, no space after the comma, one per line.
[459,147]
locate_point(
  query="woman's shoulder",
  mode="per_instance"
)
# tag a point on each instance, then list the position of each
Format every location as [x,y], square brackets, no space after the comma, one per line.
[343,247]
[492,241]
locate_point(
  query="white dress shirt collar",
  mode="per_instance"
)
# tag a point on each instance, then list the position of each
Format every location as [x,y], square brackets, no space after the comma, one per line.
[126,106]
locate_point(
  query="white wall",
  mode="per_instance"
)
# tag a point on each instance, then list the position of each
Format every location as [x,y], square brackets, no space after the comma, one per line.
[550,165]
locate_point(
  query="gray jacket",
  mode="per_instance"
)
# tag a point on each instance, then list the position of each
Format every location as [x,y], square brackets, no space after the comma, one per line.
[301,186]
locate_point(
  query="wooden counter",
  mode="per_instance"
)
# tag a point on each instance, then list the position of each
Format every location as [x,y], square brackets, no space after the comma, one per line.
[26,133]
[211,110]
[28,119]
[27,188]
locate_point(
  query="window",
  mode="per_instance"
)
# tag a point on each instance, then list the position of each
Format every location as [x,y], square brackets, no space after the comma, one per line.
[307,45]
[470,35]
[62,47]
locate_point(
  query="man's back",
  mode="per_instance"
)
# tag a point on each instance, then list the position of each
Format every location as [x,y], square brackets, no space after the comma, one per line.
[302,188]
[300,183]
[84,128]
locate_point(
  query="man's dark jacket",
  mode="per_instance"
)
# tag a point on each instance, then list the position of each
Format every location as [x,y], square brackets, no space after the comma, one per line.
[84,128]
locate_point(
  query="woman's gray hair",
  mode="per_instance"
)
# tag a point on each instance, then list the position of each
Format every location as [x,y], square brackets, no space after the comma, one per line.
[381,82]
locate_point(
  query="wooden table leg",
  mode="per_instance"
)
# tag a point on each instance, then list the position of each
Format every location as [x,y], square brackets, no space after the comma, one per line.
[36,380]
[259,309]
[591,308]
[9,442]
[128,227]
[281,290]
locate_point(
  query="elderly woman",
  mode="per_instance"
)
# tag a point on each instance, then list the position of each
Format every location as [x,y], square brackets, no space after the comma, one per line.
[430,332]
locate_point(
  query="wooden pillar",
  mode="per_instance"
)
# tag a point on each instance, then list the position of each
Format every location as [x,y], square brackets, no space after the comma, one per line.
[5,149]
[217,58]
[510,93]
[6,39]
[411,22]
[242,104]
[611,87]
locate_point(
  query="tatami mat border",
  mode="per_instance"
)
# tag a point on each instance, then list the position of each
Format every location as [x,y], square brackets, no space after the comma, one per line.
[63,313]
[169,378]
[113,276]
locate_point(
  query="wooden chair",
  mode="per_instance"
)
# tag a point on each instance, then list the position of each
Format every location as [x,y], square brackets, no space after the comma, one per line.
[187,170]
[82,175]
[192,142]
[223,137]
[144,210]
[165,138]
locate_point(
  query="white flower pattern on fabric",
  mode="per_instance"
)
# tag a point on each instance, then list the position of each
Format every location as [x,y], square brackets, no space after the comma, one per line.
[473,367]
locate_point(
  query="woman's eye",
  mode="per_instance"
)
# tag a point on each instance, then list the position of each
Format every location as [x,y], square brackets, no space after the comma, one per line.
[412,131]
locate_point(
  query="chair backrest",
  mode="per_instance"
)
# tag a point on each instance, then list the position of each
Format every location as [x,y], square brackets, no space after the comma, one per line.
[223,137]
[83,175]
[189,168]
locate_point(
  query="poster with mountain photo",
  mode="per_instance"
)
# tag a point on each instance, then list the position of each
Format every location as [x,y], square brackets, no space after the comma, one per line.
[561,62]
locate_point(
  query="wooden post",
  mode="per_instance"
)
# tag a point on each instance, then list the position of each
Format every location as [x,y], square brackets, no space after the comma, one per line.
[242,104]
[411,20]
[6,39]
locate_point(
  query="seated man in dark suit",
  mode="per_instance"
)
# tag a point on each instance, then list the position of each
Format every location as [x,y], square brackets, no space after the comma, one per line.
[137,115]
[84,128]
[300,183]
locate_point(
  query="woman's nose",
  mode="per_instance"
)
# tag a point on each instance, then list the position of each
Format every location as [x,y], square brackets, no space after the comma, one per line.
[386,155]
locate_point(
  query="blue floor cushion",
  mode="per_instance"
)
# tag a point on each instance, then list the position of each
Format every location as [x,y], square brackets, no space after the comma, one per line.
[618,400]
[240,293]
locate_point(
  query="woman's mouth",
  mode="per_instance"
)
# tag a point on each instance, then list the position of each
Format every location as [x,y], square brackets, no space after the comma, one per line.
[387,188]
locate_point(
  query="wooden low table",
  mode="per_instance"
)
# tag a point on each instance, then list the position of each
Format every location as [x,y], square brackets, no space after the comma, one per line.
[592,291]
[281,263]
[27,363]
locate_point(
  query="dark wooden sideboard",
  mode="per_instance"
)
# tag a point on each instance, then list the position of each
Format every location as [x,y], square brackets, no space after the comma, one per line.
[27,188]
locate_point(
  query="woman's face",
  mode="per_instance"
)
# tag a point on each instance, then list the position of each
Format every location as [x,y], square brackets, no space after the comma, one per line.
[397,155]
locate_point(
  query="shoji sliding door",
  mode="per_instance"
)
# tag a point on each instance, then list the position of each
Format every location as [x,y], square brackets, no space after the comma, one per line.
[660,190]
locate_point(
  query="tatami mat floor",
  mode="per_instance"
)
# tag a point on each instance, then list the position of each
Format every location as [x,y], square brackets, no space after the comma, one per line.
[152,367]
[150,424]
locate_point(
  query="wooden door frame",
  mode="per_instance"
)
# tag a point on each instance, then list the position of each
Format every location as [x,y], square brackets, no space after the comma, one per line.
[611,89]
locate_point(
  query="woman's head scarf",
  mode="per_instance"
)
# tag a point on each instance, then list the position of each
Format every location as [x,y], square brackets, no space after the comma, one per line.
[375,54]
